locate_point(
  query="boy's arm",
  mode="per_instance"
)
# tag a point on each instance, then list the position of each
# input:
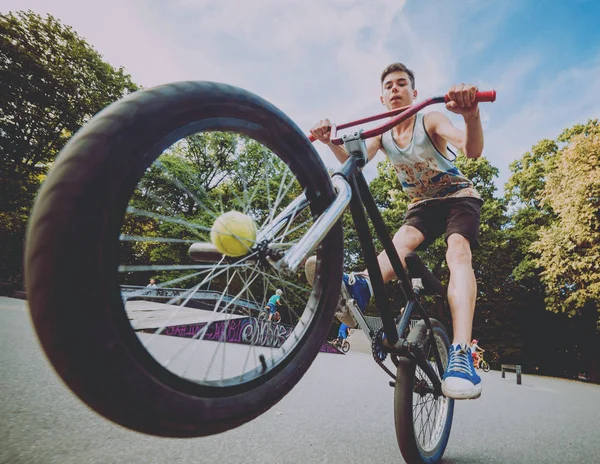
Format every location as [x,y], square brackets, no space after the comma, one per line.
[462,101]
[469,142]
[322,132]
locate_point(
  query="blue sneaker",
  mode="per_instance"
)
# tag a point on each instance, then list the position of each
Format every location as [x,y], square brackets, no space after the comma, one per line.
[460,381]
[359,286]
[356,286]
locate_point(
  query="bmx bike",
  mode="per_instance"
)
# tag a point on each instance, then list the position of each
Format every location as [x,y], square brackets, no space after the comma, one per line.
[483,364]
[134,194]
[344,346]
[264,316]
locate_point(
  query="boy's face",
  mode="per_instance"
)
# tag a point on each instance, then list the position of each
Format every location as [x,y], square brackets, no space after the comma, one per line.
[397,91]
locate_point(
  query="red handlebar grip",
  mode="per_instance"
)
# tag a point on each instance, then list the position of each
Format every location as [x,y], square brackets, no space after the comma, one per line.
[311,138]
[487,96]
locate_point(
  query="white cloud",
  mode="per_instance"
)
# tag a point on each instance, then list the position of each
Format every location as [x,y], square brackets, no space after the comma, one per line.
[316,59]
[556,102]
[129,34]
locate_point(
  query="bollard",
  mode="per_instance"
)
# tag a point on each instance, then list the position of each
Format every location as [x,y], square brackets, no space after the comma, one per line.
[513,368]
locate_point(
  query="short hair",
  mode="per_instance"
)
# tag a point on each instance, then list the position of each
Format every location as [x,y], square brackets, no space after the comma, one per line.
[398,67]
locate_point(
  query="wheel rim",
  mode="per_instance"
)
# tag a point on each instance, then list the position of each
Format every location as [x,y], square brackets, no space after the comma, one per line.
[201,321]
[429,414]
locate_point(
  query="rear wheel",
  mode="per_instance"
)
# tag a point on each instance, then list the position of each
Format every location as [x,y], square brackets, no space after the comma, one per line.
[128,195]
[422,421]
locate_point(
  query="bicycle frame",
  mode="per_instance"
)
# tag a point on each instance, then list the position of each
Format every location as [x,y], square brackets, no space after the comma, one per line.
[394,342]
[354,192]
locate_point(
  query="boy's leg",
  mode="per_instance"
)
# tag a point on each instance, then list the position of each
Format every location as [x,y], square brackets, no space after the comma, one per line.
[407,239]
[462,233]
[460,379]
[271,311]
[462,288]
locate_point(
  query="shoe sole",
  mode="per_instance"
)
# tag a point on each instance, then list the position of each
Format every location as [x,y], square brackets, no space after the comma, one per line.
[471,394]
[341,313]
[309,269]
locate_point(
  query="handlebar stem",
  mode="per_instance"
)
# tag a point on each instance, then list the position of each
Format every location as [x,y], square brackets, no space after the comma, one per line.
[356,147]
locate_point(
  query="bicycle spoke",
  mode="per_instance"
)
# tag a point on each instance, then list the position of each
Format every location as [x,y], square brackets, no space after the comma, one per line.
[173,208]
[161,217]
[150,239]
[429,412]
[180,184]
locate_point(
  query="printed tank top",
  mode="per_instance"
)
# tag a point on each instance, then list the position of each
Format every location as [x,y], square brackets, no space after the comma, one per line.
[422,170]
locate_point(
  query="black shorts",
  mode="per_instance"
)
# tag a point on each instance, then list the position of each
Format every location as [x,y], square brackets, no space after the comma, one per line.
[451,215]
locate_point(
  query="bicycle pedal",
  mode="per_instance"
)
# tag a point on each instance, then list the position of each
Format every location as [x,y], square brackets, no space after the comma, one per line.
[392,383]
[417,284]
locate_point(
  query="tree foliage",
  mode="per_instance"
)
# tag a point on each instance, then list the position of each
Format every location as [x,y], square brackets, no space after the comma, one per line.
[53,81]
[569,248]
[554,237]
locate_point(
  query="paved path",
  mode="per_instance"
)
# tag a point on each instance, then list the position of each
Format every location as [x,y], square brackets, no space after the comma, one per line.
[340,412]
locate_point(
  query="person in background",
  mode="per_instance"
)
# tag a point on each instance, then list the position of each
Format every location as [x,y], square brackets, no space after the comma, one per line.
[273,302]
[343,333]
[474,353]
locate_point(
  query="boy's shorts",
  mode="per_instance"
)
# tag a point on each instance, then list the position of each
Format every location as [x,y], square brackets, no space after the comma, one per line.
[272,308]
[450,215]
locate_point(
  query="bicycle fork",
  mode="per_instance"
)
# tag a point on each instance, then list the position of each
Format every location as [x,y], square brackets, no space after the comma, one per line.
[298,253]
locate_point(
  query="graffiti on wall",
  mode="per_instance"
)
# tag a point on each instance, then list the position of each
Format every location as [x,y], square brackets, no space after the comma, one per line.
[246,330]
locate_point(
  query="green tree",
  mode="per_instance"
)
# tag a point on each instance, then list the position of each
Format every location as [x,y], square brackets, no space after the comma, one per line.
[553,240]
[569,248]
[53,81]
[182,193]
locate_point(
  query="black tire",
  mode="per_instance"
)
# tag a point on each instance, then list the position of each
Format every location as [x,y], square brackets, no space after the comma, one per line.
[484,366]
[72,260]
[345,346]
[408,433]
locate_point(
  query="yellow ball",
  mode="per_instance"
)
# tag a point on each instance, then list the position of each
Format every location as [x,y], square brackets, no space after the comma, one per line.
[233,233]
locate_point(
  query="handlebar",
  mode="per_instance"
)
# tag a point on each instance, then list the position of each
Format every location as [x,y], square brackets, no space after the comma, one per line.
[398,115]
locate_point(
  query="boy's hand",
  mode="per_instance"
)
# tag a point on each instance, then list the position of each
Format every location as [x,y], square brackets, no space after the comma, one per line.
[462,100]
[322,131]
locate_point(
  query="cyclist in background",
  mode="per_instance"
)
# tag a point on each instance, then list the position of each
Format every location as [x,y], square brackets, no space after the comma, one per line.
[274,301]
[343,333]
[474,352]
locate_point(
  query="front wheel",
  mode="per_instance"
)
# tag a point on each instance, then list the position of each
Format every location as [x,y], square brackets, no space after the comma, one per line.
[422,421]
[126,198]
[485,366]
[345,346]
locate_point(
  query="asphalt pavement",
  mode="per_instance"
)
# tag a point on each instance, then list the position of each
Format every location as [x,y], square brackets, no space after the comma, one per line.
[340,412]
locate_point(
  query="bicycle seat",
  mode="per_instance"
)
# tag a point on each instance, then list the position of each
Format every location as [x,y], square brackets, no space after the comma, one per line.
[418,270]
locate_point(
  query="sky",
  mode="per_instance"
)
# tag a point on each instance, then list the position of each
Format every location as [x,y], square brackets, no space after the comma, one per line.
[323,58]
